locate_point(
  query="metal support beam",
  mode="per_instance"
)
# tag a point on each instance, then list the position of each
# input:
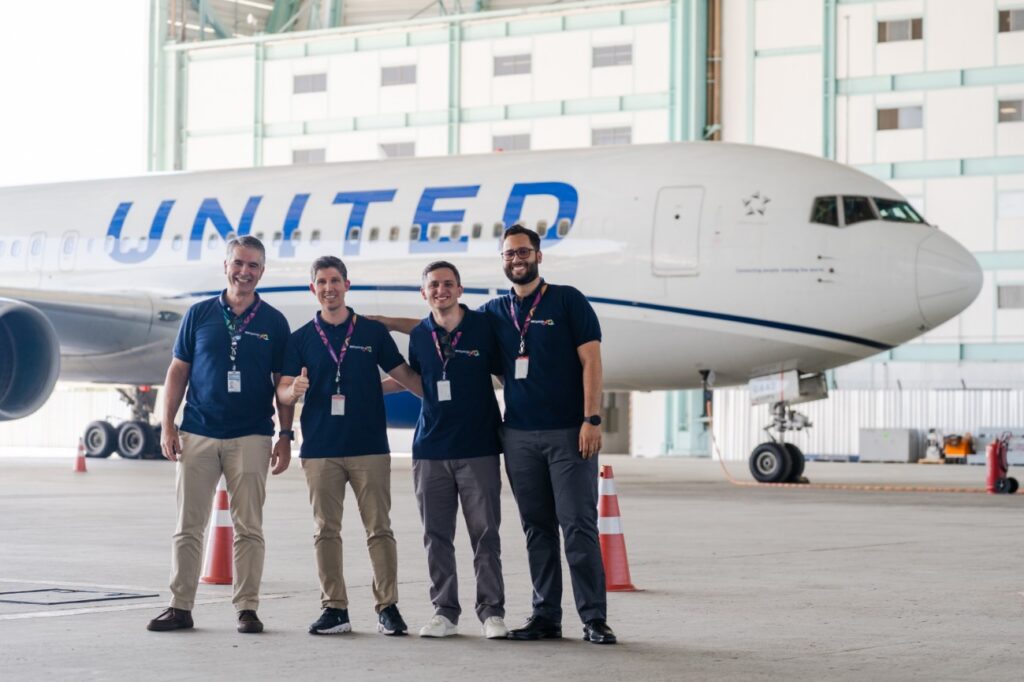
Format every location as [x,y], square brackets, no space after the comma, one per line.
[454,86]
[157,86]
[828,59]
[257,112]
[337,13]
[676,71]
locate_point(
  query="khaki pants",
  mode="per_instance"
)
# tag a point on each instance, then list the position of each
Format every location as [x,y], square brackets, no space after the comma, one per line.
[370,477]
[244,463]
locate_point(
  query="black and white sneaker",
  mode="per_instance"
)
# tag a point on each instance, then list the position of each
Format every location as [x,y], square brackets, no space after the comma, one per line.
[389,621]
[331,622]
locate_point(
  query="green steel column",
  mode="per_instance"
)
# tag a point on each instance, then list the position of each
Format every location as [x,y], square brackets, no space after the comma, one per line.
[751,66]
[337,7]
[698,76]
[257,123]
[180,109]
[676,72]
[828,58]
[157,85]
[454,86]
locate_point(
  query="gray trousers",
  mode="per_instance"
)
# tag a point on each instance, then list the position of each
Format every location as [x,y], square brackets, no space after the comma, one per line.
[556,488]
[440,484]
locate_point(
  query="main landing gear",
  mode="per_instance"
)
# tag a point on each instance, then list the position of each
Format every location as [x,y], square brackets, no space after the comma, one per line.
[776,461]
[132,439]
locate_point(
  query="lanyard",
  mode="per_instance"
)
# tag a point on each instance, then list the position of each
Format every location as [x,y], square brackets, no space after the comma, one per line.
[441,356]
[236,326]
[338,358]
[529,316]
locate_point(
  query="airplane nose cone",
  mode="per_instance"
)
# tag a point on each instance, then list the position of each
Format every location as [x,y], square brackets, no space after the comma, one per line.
[948,278]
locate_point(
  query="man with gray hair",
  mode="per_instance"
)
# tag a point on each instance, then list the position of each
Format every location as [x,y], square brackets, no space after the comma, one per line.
[228,354]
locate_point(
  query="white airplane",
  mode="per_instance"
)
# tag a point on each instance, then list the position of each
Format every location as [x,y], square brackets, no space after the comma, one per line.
[704,261]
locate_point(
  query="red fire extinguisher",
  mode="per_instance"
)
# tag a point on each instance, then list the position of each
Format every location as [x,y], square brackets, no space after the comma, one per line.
[995,456]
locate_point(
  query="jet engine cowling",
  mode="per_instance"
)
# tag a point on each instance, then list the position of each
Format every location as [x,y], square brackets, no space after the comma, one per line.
[29,359]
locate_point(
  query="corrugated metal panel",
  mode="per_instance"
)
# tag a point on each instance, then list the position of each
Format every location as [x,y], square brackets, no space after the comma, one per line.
[62,420]
[836,421]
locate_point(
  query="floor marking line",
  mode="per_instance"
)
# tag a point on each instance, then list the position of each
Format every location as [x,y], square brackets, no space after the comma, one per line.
[125,607]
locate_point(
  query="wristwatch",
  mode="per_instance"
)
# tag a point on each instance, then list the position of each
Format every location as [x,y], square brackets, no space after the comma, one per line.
[286,432]
[594,420]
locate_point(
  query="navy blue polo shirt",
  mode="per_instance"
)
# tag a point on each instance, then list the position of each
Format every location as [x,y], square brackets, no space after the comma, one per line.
[467,425]
[205,343]
[362,430]
[551,396]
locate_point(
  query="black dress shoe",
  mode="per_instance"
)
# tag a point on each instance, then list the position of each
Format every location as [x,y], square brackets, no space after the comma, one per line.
[249,623]
[537,627]
[171,619]
[598,632]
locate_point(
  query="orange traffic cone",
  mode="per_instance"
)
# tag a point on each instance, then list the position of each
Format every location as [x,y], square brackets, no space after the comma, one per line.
[217,569]
[613,542]
[80,459]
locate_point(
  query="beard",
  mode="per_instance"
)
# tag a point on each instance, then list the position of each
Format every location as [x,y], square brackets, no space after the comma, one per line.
[531,273]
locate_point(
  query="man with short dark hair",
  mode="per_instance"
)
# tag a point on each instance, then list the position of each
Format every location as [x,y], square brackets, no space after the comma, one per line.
[332,361]
[551,343]
[455,450]
[228,353]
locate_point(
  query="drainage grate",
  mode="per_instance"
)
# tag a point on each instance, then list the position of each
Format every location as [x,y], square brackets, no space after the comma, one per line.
[56,596]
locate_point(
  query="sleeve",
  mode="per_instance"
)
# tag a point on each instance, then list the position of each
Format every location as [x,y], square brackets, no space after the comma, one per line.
[281,339]
[414,361]
[185,343]
[582,319]
[291,366]
[388,356]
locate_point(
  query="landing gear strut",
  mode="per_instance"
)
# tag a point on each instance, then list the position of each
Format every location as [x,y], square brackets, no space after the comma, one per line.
[132,439]
[776,461]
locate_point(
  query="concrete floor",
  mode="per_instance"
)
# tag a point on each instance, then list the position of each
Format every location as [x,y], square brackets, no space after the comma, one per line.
[738,583]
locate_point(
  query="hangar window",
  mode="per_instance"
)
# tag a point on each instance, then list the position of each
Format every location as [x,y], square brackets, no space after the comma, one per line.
[612,55]
[1011,110]
[398,75]
[563,227]
[1011,20]
[512,64]
[309,82]
[396,150]
[825,211]
[605,136]
[901,118]
[318,155]
[177,242]
[511,143]
[1010,296]
[897,211]
[314,238]
[478,230]
[393,236]
[902,29]
[857,210]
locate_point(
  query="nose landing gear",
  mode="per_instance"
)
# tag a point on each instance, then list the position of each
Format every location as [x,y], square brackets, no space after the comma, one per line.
[776,461]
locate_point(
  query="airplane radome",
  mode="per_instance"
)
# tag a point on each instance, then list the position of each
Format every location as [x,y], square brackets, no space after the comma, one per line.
[701,259]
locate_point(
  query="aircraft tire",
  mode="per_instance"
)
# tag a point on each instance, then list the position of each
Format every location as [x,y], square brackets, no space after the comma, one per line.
[796,455]
[134,439]
[100,439]
[770,463]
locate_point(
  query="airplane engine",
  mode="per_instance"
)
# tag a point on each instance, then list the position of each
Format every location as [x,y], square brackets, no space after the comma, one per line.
[29,359]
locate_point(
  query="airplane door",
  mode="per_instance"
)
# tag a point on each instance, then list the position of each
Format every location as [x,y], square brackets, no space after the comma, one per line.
[68,249]
[675,247]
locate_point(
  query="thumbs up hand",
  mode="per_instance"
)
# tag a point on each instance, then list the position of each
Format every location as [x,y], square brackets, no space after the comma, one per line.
[300,385]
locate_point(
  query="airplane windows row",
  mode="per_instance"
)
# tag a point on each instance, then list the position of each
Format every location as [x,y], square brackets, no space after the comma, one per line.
[826,211]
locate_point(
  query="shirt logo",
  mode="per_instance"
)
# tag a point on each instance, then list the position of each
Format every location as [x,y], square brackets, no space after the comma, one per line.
[546,323]
[470,353]
[367,349]
[258,335]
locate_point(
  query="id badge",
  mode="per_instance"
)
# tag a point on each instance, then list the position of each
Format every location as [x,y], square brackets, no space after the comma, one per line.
[522,366]
[234,381]
[444,390]
[337,405]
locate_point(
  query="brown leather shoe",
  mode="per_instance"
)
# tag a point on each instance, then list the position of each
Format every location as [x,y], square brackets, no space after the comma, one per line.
[249,622]
[171,619]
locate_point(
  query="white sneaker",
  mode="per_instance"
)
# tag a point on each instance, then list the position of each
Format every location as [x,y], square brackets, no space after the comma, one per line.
[494,628]
[439,626]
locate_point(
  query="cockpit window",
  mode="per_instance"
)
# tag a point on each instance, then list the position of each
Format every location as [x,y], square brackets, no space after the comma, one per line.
[825,211]
[897,211]
[857,210]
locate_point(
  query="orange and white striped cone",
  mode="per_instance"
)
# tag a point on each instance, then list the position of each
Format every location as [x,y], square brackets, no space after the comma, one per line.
[613,542]
[80,459]
[217,569]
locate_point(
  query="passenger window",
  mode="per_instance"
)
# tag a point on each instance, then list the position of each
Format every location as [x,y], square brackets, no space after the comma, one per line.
[259,235]
[456,232]
[211,243]
[353,235]
[414,233]
[69,246]
[143,243]
[177,242]
[435,232]
[276,242]
[499,229]
[1,247]
[393,236]
[542,228]
[314,238]
[825,211]
[297,236]
[857,210]
[478,230]
[897,211]
[374,233]
[37,247]
[16,248]
[563,227]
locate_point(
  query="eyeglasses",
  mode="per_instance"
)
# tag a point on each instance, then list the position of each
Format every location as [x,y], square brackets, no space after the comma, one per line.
[523,252]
